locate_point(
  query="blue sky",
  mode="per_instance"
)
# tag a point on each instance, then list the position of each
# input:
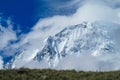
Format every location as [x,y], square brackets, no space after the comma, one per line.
[27,12]
[20,11]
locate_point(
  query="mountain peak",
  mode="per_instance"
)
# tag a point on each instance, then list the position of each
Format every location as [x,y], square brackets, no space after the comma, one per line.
[86,39]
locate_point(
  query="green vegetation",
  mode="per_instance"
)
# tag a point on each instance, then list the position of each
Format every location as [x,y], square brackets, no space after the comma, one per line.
[48,74]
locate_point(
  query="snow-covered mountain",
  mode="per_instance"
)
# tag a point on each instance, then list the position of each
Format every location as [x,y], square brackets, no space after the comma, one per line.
[85,46]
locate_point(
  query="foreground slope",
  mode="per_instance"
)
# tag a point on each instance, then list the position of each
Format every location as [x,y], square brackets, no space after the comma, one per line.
[47,74]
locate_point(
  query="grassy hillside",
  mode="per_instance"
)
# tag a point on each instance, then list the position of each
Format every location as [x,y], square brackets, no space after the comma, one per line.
[47,74]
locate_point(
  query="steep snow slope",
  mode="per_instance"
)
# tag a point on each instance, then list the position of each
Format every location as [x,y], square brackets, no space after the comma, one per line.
[86,46]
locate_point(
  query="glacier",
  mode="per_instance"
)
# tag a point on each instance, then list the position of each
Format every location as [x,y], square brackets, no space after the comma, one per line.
[85,46]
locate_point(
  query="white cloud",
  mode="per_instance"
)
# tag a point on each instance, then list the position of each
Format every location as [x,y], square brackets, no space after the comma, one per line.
[1,63]
[87,63]
[84,62]
[93,12]
[119,14]
[6,35]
